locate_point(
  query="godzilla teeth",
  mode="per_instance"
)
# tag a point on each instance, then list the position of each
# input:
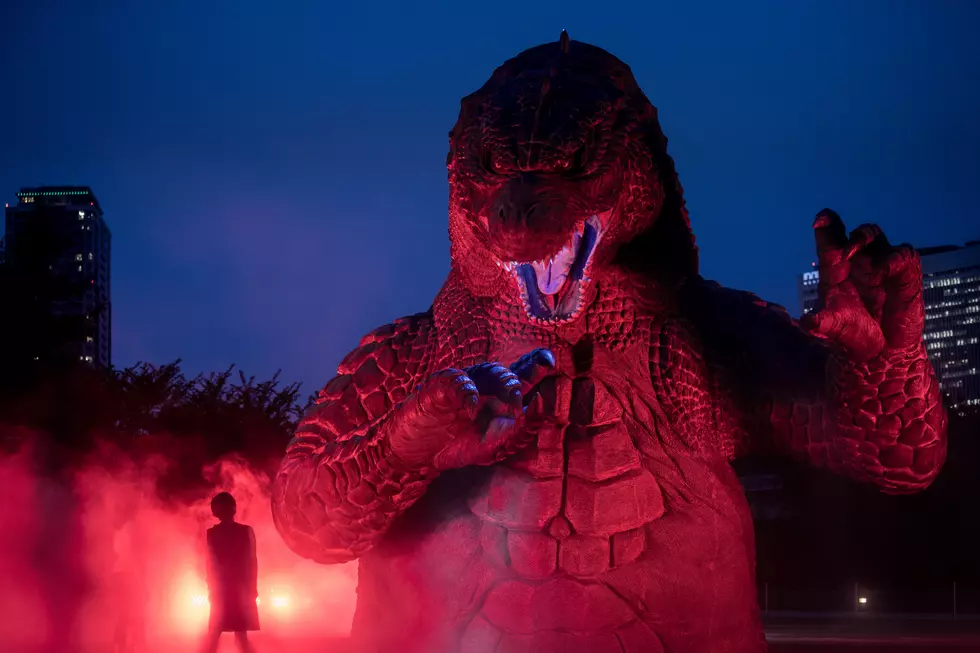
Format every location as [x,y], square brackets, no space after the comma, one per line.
[553,273]
[570,249]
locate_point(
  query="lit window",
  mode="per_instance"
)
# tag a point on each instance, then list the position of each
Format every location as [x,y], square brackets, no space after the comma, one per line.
[81,215]
[78,257]
[88,339]
[88,359]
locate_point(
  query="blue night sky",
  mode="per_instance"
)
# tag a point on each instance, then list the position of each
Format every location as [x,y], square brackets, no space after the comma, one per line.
[273,173]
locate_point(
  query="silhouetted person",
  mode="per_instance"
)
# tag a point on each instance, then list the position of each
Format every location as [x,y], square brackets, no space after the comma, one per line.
[232,576]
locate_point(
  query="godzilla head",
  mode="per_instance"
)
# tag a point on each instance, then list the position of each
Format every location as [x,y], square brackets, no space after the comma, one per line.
[558,169]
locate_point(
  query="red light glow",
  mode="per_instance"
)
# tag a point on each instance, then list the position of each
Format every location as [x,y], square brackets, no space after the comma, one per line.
[146,562]
[280,602]
[192,607]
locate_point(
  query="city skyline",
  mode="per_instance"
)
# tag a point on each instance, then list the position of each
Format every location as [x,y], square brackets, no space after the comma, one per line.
[292,197]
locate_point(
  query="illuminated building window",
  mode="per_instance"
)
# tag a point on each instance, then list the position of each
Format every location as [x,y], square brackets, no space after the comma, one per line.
[81,215]
[78,257]
[90,256]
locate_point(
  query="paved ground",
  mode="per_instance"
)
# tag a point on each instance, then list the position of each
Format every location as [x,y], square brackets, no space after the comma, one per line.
[812,636]
[828,646]
[269,645]
[801,633]
[786,634]
[864,647]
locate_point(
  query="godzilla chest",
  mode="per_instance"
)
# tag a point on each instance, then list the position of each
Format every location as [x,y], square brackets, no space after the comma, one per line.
[576,502]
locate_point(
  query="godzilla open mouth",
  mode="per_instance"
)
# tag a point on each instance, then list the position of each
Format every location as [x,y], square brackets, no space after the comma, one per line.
[552,289]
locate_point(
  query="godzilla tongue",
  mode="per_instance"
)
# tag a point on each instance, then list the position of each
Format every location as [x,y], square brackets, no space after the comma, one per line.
[551,275]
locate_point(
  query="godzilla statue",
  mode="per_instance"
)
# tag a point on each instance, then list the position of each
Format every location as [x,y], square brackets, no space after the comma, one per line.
[541,461]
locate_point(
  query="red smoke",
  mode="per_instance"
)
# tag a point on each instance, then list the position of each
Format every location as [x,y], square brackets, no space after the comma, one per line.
[99,556]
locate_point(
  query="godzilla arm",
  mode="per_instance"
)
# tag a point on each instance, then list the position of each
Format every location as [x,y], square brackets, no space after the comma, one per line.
[880,421]
[340,486]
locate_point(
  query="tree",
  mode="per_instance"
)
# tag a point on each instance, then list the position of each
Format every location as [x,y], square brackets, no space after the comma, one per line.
[155,411]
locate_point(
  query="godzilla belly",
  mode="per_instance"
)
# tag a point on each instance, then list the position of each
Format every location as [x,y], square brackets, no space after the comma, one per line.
[558,517]
[600,540]
[582,543]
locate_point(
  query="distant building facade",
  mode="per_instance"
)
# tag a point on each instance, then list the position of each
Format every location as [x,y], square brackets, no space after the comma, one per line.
[806,287]
[951,291]
[73,264]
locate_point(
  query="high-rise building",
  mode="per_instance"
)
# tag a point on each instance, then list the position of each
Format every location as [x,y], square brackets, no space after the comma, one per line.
[58,247]
[806,287]
[951,291]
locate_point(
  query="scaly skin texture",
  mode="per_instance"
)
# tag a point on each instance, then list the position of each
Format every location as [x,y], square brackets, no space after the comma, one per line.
[579,495]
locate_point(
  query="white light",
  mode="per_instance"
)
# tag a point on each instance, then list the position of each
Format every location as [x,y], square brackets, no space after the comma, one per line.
[862,600]
[280,601]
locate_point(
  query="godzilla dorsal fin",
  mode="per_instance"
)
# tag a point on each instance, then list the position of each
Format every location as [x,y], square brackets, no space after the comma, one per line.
[563,42]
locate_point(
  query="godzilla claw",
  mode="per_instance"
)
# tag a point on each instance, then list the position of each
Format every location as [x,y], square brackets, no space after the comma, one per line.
[870,291]
[532,367]
[904,315]
[864,239]
[498,386]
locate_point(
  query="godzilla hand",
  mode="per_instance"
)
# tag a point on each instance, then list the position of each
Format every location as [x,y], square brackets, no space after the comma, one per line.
[469,417]
[871,292]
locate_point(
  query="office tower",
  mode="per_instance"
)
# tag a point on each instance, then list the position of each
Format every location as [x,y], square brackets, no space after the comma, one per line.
[58,260]
[806,288]
[951,290]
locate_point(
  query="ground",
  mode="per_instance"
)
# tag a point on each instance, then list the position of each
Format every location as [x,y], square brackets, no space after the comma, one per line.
[786,634]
